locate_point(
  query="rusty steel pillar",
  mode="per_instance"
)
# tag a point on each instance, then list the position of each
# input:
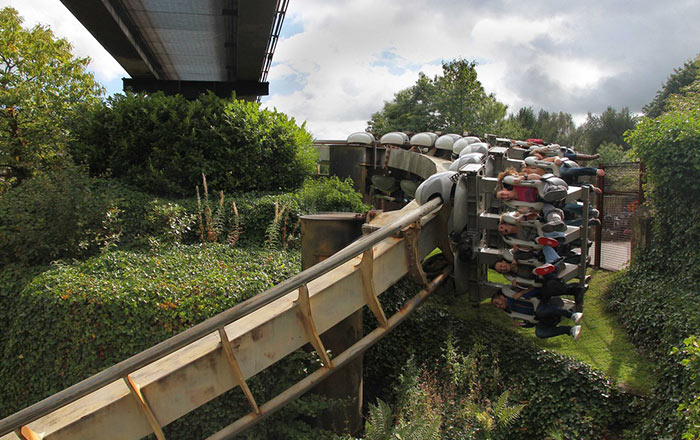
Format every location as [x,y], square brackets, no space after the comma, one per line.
[322,235]
[351,161]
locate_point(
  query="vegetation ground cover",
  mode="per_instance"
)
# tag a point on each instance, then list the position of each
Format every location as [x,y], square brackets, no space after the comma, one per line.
[603,344]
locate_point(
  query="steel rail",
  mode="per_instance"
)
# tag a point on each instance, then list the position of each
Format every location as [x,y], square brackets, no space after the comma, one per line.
[339,361]
[211,325]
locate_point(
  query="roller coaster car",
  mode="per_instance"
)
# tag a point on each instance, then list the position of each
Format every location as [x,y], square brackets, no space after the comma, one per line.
[395,138]
[477,147]
[361,138]
[425,141]
[466,159]
[437,185]
[463,143]
[444,145]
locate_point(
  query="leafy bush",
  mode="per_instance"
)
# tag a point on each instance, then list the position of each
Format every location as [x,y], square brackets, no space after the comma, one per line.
[163,144]
[330,194]
[64,214]
[444,403]
[109,307]
[656,298]
[53,215]
[562,394]
[689,409]
[43,87]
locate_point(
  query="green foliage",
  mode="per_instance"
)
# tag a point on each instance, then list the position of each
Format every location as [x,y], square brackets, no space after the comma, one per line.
[609,127]
[55,215]
[552,127]
[586,403]
[452,102]
[42,87]
[612,154]
[446,403]
[673,183]
[63,214]
[329,195]
[109,307]
[163,144]
[380,424]
[656,298]
[675,84]
[689,409]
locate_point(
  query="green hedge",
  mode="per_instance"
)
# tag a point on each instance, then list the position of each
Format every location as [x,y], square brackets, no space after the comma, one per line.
[66,214]
[657,298]
[163,144]
[74,320]
[561,393]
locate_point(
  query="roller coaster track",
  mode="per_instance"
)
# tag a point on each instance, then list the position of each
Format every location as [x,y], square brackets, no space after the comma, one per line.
[140,395]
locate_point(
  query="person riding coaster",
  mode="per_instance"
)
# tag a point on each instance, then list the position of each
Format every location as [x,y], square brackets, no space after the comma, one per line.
[517,230]
[545,315]
[528,271]
[567,169]
[531,188]
[555,150]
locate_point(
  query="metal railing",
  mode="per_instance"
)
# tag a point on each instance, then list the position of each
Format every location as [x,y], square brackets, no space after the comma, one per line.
[211,325]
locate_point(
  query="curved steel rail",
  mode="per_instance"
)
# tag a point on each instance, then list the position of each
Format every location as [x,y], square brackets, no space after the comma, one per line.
[211,325]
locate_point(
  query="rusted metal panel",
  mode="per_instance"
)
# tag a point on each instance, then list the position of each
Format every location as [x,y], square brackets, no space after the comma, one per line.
[347,161]
[322,235]
[418,164]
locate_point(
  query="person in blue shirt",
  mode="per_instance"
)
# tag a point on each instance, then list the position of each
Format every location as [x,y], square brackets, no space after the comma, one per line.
[545,318]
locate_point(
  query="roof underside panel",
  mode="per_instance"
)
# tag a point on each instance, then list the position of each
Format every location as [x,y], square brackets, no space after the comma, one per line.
[188,38]
[180,40]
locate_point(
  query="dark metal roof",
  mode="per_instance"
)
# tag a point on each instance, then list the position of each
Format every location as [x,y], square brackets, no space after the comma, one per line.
[186,46]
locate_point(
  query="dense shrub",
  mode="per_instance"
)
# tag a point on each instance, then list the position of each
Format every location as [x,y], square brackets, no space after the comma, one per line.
[562,394]
[64,214]
[330,194]
[98,312]
[443,403]
[53,215]
[163,144]
[656,298]
[689,409]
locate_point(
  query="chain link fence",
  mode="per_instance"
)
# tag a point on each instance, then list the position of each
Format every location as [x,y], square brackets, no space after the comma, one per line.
[613,244]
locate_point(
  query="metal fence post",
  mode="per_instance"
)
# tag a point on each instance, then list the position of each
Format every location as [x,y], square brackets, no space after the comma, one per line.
[600,206]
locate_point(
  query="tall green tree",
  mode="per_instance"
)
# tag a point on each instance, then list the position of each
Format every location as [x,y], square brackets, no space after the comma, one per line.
[42,86]
[677,81]
[452,102]
[609,127]
[552,127]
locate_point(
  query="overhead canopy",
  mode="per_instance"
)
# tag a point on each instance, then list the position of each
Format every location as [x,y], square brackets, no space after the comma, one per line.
[183,46]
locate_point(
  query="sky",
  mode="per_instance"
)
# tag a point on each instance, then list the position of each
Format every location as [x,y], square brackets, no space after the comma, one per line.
[337,62]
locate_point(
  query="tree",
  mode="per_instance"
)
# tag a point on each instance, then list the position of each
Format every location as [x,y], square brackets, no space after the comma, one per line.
[452,102]
[42,86]
[552,127]
[610,126]
[676,82]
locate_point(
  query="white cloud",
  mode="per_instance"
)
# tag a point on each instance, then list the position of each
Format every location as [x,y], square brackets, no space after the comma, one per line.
[344,59]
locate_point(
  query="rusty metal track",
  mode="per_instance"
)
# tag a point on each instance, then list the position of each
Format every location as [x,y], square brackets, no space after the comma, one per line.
[342,359]
[203,343]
